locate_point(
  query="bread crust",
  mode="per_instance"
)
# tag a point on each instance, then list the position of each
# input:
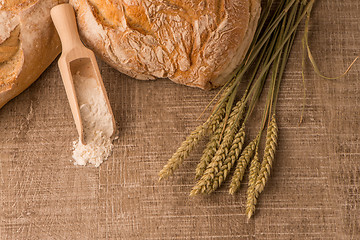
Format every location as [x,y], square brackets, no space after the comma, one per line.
[193,42]
[34,44]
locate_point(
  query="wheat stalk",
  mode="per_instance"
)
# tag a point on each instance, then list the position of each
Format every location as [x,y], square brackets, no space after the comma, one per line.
[269,155]
[242,163]
[251,193]
[215,129]
[270,48]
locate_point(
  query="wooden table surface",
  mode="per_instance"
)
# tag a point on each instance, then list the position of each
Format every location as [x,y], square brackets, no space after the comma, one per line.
[313,192]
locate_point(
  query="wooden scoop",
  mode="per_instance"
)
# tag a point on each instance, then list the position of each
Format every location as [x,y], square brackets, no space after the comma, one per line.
[75,58]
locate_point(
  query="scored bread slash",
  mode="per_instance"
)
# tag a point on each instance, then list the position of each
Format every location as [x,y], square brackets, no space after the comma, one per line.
[89,103]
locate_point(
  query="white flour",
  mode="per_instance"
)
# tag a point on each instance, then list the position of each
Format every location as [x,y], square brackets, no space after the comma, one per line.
[97,123]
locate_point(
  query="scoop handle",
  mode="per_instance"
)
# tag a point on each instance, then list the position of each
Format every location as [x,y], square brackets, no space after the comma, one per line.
[63,16]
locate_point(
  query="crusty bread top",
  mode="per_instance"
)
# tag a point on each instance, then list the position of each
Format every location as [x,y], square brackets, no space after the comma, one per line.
[193,42]
[15,5]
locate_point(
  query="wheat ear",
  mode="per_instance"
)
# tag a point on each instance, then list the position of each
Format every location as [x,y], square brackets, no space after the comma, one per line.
[242,163]
[251,193]
[230,159]
[183,151]
[217,119]
[215,130]
[269,154]
[209,151]
[214,167]
[191,141]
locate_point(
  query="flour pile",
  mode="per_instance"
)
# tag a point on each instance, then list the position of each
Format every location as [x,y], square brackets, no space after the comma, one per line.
[97,123]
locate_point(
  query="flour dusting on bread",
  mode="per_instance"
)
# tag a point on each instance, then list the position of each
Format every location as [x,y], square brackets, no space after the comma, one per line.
[196,43]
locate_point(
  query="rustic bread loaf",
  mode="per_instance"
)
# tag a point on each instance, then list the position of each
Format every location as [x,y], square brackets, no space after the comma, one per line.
[28,44]
[193,42]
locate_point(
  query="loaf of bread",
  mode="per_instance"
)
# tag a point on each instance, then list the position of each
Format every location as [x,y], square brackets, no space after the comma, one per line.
[28,44]
[193,42]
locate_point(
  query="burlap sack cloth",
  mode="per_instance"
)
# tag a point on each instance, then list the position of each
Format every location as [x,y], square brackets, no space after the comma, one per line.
[313,192]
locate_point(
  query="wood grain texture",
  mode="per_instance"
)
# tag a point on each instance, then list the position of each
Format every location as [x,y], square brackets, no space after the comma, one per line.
[313,192]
